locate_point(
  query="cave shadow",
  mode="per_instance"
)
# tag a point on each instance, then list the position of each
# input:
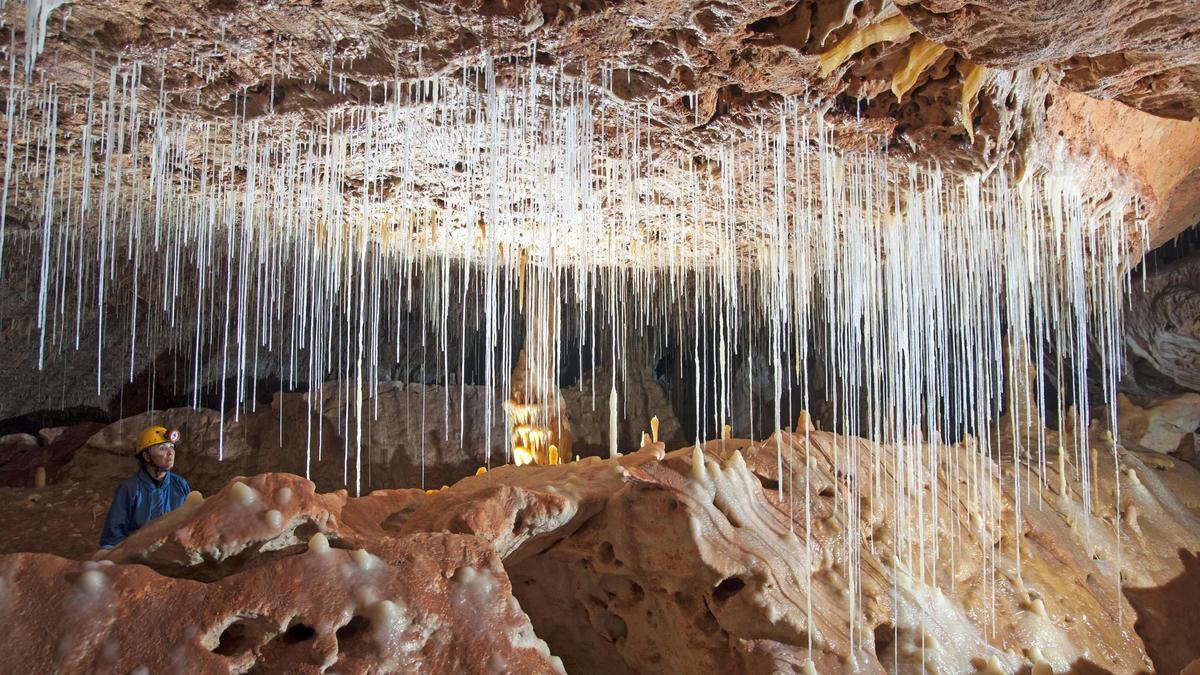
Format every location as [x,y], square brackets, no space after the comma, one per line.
[1167,619]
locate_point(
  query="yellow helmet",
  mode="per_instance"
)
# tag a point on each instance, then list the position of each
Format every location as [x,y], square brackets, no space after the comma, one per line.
[153,436]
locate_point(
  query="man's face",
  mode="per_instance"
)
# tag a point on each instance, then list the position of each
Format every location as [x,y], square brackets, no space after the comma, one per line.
[162,456]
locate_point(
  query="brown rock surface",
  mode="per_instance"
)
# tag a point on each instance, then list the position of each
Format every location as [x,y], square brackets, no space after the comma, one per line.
[247,521]
[1162,333]
[1156,158]
[1158,425]
[415,435]
[710,70]
[519,510]
[1145,54]
[254,520]
[637,392]
[429,602]
[651,563]
[678,572]
[19,460]
[63,519]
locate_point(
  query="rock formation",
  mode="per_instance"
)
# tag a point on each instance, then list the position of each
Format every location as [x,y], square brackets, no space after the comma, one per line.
[347,246]
[430,602]
[1162,332]
[688,561]
[1143,54]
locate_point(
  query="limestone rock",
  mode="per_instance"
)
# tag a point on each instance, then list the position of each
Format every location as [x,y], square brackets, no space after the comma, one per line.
[518,510]
[638,393]
[1158,425]
[19,461]
[1107,143]
[256,519]
[416,434]
[666,565]
[1145,54]
[428,603]
[364,516]
[1162,333]
[51,434]
[19,439]
[247,521]
[927,619]
[690,562]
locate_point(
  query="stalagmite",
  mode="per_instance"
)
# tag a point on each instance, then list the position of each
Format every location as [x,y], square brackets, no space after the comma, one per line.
[612,422]
[318,544]
[1062,472]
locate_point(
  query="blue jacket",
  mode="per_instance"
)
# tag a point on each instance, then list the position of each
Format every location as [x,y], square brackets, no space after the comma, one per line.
[139,500]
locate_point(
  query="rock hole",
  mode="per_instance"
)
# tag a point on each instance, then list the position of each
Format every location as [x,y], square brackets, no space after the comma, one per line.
[684,601]
[296,633]
[885,635]
[352,630]
[613,627]
[605,553]
[239,637]
[305,530]
[767,483]
[728,588]
[636,593]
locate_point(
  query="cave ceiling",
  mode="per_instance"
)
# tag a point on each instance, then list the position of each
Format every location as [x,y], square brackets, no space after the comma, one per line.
[964,87]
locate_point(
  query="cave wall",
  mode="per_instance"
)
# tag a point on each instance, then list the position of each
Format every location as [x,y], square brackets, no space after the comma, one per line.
[1162,322]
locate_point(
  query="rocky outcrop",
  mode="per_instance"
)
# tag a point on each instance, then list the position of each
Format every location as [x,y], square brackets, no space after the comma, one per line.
[249,519]
[1162,332]
[640,397]
[733,557]
[1147,55]
[411,435]
[1164,425]
[520,511]
[22,456]
[664,563]
[709,70]
[1107,145]
[414,434]
[428,603]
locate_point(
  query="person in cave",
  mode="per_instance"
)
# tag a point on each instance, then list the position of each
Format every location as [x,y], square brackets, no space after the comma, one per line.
[152,492]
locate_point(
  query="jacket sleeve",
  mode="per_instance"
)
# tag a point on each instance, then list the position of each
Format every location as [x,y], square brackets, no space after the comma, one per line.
[185,490]
[116,525]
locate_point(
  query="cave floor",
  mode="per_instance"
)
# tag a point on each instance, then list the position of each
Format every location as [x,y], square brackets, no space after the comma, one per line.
[64,519]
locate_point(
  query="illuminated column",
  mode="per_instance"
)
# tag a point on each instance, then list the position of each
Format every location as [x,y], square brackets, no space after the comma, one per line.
[539,431]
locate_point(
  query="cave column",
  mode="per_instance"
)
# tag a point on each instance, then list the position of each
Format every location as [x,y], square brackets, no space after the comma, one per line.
[539,430]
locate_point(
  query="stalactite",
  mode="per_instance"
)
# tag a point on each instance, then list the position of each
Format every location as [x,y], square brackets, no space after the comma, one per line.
[309,243]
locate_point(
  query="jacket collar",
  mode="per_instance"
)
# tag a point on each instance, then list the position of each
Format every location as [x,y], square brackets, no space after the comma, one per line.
[145,477]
